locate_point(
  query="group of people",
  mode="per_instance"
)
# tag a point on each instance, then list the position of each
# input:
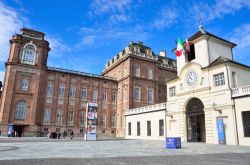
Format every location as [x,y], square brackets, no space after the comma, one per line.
[12,133]
[55,135]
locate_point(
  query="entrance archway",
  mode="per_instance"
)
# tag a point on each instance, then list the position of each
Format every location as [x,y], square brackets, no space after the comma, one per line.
[195,121]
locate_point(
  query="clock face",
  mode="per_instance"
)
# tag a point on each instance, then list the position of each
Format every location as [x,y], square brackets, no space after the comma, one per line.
[191,78]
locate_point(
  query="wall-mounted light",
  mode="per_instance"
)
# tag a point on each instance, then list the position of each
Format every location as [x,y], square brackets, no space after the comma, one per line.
[171,116]
[215,106]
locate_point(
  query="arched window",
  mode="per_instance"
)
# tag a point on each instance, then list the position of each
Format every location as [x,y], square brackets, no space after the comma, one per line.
[21,110]
[29,55]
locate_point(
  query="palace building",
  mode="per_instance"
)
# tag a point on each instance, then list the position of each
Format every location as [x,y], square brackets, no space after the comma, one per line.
[37,98]
[208,101]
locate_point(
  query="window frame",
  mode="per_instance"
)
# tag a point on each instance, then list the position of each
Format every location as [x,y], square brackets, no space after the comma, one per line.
[50,89]
[84,94]
[172,91]
[26,54]
[70,117]
[138,128]
[161,127]
[21,108]
[152,95]
[72,91]
[25,84]
[219,79]
[47,115]
[135,98]
[129,128]
[150,73]
[149,128]
[61,91]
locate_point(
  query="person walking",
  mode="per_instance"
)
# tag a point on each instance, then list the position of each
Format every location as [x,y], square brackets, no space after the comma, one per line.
[16,135]
[64,134]
[71,135]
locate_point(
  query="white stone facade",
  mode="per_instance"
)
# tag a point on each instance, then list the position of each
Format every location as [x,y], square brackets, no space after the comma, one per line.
[209,87]
[153,114]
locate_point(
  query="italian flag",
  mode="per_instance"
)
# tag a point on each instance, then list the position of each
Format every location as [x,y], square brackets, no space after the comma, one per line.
[180,48]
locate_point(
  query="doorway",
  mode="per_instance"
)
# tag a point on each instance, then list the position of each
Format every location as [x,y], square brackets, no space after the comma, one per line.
[19,130]
[195,121]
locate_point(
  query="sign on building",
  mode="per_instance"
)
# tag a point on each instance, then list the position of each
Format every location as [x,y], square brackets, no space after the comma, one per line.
[91,124]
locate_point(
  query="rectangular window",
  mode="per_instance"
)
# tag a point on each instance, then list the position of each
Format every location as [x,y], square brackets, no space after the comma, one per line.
[94,95]
[234,80]
[84,94]
[61,90]
[45,129]
[113,97]
[72,91]
[81,118]
[172,92]
[137,93]
[104,106]
[148,128]
[113,120]
[60,101]
[104,96]
[137,71]
[161,127]
[59,116]
[246,123]
[150,73]
[70,116]
[219,79]
[138,129]
[47,114]
[24,84]
[57,129]
[150,95]
[103,119]
[50,89]
[129,128]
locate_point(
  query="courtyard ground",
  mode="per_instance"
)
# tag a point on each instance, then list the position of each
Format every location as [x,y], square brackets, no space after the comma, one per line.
[38,150]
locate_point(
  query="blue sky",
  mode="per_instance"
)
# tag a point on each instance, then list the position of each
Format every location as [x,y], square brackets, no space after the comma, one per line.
[85,34]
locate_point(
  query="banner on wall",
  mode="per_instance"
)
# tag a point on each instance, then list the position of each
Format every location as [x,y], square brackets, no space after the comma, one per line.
[91,119]
[221,131]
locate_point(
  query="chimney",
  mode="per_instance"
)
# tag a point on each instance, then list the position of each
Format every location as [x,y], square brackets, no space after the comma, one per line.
[163,53]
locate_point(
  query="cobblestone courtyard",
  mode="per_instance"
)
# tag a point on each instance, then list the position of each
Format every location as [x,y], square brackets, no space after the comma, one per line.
[116,151]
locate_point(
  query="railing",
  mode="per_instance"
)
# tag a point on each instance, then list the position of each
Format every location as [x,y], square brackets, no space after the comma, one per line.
[154,107]
[241,91]
[80,73]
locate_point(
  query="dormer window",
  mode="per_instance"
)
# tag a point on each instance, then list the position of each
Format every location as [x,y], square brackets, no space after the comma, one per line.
[29,54]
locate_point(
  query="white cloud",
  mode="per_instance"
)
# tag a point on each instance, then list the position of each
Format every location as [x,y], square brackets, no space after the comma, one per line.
[2,75]
[241,36]
[166,18]
[99,7]
[100,36]
[218,9]
[114,12]
[10,22]
[116,18]
[57,45]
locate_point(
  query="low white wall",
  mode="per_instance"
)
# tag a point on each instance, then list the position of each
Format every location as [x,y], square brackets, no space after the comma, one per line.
[153,116]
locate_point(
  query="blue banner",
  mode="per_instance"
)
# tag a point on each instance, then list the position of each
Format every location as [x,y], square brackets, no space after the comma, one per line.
[221,131]
[10,129]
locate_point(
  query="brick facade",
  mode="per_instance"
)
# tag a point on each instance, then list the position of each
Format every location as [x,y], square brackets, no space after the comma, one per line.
[115,88]
[124,65]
